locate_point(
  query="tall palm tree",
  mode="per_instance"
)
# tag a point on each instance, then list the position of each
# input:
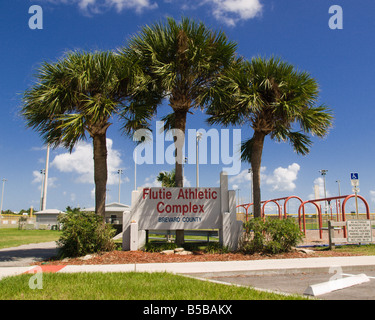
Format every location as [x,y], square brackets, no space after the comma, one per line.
[275,100]
[77,95]
[183,60]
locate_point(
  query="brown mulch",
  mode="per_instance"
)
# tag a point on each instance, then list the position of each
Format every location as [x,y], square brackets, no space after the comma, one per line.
[126,257]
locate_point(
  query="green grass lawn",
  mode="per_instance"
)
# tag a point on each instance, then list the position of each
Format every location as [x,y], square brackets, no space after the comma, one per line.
[127,286]
[12,237]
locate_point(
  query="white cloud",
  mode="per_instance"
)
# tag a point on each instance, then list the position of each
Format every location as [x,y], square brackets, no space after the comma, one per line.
[243,176]
[232,11]
[151,182]
[137,5]
[97,6]
[372,195]
[38,179]
[283,179]
[81,163]
[320,183]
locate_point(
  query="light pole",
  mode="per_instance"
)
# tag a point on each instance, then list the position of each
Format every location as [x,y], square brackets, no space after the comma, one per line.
[238,199]
[339,203]
[199,137]
[119,171]
[2,196]
[45,181]
[251,186]
[42,172]
[135,169]
[324,173]
[183,169]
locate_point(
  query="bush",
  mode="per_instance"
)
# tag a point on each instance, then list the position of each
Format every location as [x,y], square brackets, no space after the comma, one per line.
[84,233]
[158,247]
[270,235]
[216,247]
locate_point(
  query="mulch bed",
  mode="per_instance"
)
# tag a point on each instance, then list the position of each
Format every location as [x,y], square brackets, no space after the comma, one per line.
[126,257]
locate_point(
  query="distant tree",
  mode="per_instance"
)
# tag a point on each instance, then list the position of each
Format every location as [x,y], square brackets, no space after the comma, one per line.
[69,209]
[167,179]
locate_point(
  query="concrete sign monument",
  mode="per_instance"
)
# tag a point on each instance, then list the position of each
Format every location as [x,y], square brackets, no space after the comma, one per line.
[182,208]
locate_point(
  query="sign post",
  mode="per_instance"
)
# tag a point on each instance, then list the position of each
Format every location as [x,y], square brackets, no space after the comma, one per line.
[355,183]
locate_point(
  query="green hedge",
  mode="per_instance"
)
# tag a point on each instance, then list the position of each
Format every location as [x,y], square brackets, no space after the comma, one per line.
[84,233]
[270,235]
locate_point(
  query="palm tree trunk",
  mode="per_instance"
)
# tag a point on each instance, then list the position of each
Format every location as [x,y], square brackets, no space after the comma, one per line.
[256,159]
[100,172]
[180,124]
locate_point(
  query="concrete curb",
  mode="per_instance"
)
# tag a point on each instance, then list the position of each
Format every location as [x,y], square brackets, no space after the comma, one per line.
[255,267]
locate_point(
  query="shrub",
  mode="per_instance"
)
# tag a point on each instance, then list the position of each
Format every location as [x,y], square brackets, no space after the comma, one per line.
[270,235]
[216,247]
[158,247]
[84,233]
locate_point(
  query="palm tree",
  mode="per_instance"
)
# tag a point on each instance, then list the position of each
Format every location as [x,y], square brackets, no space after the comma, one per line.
[275,100]
[167,179]
[78,95]
[182,60]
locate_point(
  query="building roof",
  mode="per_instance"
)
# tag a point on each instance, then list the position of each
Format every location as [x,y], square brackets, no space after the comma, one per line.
[110,207]
[49,211]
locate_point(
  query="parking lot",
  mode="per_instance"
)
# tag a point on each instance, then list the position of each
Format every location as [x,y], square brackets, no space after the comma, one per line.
[297,283]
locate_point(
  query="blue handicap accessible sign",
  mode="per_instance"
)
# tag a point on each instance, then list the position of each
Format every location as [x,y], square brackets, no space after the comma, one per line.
[354,176]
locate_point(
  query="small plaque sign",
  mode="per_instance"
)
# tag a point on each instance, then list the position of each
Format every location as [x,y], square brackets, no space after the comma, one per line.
[359,231]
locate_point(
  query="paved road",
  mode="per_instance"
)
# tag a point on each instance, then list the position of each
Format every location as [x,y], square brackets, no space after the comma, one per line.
[25,255]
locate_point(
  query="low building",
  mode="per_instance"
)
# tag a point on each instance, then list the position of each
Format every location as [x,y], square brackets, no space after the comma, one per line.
[113,212]
[46,219]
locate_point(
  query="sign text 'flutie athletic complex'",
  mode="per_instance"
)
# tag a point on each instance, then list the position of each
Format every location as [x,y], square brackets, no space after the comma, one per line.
[190,195]
[182,208]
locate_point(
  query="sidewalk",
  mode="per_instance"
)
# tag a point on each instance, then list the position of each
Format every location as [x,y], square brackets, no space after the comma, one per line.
[254,267]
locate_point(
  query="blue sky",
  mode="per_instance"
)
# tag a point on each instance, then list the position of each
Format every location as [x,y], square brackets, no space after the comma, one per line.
[295,30]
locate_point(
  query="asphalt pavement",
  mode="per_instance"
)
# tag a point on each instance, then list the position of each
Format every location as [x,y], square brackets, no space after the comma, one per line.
[27,254]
